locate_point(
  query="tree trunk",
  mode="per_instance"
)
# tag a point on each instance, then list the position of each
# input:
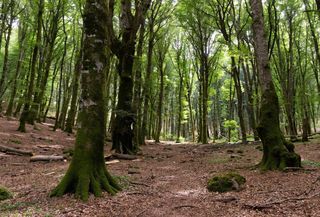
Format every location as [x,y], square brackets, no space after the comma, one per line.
[51,39]
[22,36]
[87,171]
[277,153]
[147,89]
[160,102]
[237,84]
[137,98]
[122,134]
[75,89]
[5,69]
[26,109]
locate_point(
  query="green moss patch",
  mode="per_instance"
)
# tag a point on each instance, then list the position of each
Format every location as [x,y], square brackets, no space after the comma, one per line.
[226,182]
[5,193]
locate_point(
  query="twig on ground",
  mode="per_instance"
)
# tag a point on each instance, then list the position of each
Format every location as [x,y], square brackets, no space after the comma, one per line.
[139,183]
[185,206]
[269,205]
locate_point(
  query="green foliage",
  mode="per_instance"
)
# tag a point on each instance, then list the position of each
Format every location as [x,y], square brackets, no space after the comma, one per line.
[233,126]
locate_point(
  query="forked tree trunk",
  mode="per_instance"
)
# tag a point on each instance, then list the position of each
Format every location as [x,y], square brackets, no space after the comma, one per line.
[87,171]
[277,153]
[122,129]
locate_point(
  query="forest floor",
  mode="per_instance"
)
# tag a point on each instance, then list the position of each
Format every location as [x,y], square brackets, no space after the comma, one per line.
[169,179]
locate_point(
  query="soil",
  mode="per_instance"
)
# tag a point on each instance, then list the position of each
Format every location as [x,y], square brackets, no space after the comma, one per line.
[168,179]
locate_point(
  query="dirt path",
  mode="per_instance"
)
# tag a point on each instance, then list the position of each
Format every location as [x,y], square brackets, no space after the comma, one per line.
[168,180]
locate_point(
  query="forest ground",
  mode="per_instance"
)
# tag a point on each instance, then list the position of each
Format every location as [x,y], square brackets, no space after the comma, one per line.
[169,179]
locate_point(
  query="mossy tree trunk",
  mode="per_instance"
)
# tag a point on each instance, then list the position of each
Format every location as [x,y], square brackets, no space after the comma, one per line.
[124,49]
[87,171]
[277,152]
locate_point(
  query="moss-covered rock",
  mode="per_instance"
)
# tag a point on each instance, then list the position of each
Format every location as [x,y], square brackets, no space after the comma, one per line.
[226,182]
[5,194]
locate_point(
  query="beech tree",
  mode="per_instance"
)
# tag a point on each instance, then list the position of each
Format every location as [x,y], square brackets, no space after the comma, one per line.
[87,171]
[124,48]
[277,152]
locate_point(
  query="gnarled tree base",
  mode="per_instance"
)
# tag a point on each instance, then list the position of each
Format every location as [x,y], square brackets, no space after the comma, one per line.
[279,159]
[85,181]
[277,152]
[122,135]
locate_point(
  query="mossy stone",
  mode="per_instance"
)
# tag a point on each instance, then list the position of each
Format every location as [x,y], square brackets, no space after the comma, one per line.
[226,182]
[4,193]
[237,177]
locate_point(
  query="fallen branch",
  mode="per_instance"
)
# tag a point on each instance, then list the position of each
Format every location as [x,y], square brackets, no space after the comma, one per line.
[293,169]
[270,204]
[226,199]
[112,162]
[121,157]
[185,206]
[15,151]
[139,183]
[46,158]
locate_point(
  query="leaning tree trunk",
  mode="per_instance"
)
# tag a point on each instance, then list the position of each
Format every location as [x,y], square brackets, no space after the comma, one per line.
[277,153]
[87,171]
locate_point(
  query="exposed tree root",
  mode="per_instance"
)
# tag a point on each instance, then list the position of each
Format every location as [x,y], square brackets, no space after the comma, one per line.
[82,184]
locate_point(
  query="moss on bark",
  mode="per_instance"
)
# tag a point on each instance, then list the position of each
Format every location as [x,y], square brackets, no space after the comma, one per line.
[87,172]
[277,152]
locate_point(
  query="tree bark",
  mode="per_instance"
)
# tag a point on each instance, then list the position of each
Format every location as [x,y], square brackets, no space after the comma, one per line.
[30,91]
[87,171]
[5,69]
[122,130]
[277,153]
[22,37]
